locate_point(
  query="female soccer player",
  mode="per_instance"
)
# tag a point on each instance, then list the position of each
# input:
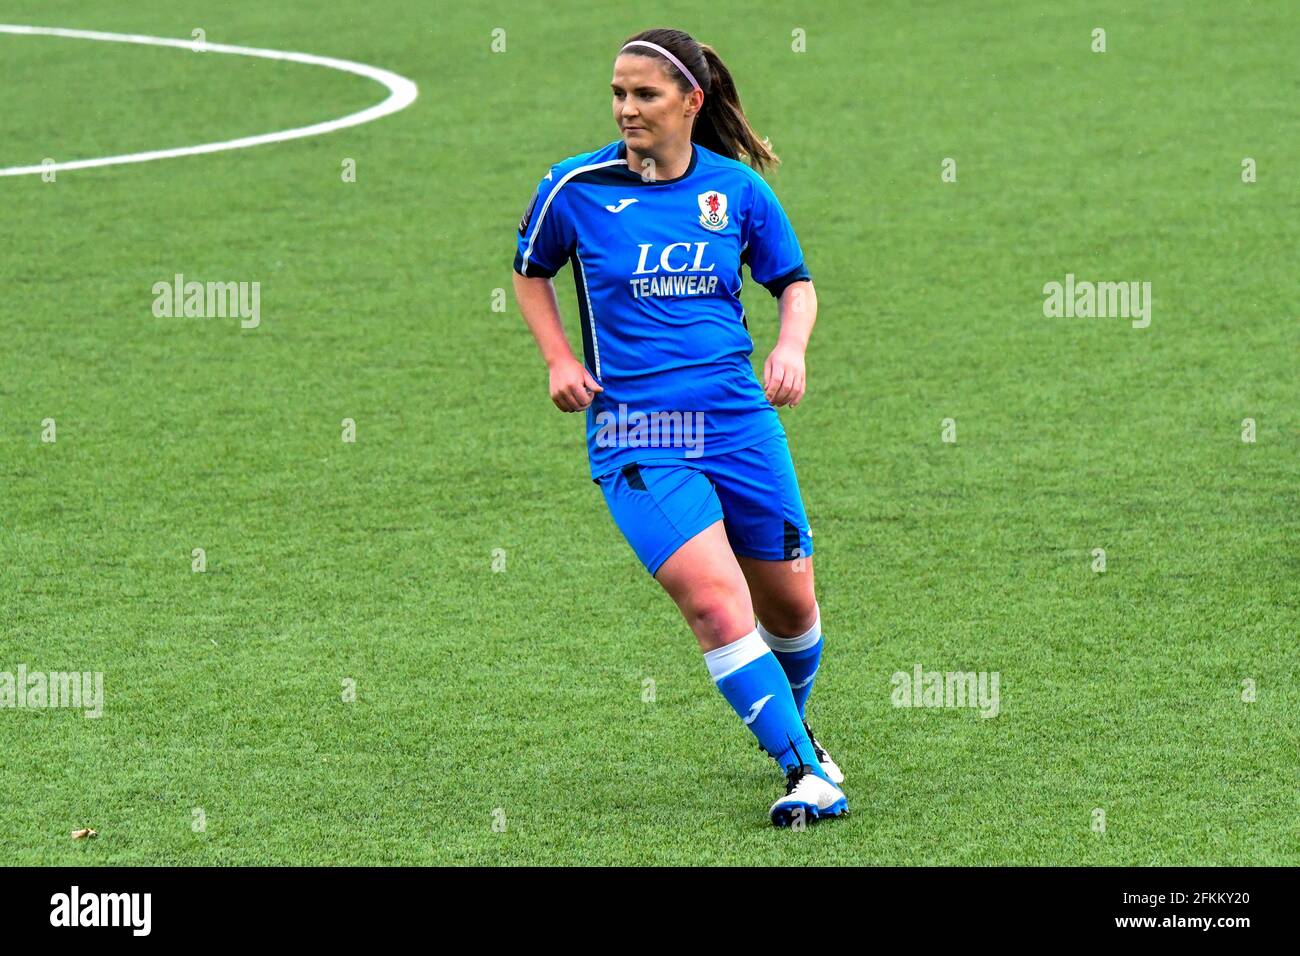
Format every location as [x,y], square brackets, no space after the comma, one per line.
[682,439]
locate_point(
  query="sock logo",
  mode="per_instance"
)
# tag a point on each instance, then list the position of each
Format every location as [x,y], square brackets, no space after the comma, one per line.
[756,708]
[802,684]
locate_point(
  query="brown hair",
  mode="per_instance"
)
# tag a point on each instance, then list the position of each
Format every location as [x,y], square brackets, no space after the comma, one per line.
[721,124]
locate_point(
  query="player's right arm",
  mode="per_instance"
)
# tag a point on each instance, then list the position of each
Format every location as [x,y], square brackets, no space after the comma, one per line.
[571,385]
[546,238]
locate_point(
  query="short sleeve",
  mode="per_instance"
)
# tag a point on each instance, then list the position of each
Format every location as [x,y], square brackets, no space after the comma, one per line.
[771,248]
[546,237]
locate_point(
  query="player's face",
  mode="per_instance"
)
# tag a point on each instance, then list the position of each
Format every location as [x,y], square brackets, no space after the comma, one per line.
[649,108]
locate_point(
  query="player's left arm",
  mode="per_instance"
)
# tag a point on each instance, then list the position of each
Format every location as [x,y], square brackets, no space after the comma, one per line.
[776,261]
[784,375]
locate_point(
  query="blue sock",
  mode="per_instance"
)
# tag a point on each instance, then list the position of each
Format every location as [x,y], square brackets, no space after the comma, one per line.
[800,657]
[749,676]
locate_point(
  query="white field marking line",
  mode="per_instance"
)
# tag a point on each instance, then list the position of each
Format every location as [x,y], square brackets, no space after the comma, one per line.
[401,94]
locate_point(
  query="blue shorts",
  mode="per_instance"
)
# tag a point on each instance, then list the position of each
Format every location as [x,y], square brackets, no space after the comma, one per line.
[661,503]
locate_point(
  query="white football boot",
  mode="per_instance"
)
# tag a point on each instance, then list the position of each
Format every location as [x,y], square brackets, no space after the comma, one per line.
[831,768]
[808,798]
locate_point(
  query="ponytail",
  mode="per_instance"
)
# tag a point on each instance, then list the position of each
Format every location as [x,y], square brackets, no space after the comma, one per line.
[720,125]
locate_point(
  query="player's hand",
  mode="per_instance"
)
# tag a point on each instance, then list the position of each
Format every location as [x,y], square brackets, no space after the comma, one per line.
[783,376]
[572,388]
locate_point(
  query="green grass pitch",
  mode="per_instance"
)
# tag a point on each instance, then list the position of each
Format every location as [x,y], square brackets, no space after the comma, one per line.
[499,715]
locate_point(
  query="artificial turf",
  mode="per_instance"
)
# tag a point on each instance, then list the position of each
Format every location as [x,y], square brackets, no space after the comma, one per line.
[501,716]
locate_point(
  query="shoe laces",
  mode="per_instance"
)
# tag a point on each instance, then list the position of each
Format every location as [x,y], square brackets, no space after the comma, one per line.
[817,748]
[795,777]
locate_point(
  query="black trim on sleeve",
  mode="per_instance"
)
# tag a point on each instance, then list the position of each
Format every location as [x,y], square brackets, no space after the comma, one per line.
[584,316]
[534,270]
[777,285]
[528,214]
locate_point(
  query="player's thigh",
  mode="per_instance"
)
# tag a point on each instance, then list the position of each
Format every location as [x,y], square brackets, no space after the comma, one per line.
[761,503]
[769,532]
[669,513]
[783,593]
[659,506]
[705,581]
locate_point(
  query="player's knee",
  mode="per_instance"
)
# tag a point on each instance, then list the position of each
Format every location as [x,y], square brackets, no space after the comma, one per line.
[717,618]
[791,617]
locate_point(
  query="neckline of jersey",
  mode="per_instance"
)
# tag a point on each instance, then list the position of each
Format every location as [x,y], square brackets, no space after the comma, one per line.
[690,167]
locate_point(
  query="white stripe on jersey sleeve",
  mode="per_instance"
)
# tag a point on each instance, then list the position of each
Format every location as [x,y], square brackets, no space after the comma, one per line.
[528,252]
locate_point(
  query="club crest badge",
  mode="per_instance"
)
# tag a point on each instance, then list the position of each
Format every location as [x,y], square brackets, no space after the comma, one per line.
[713,210]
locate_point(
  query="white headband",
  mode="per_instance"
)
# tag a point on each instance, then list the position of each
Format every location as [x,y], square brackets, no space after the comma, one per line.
[671,59]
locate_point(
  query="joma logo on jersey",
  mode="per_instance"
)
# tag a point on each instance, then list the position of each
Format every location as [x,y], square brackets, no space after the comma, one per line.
[713,210]
[673,258]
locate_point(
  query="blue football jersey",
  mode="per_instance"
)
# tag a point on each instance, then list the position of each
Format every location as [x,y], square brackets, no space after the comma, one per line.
[656,265]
